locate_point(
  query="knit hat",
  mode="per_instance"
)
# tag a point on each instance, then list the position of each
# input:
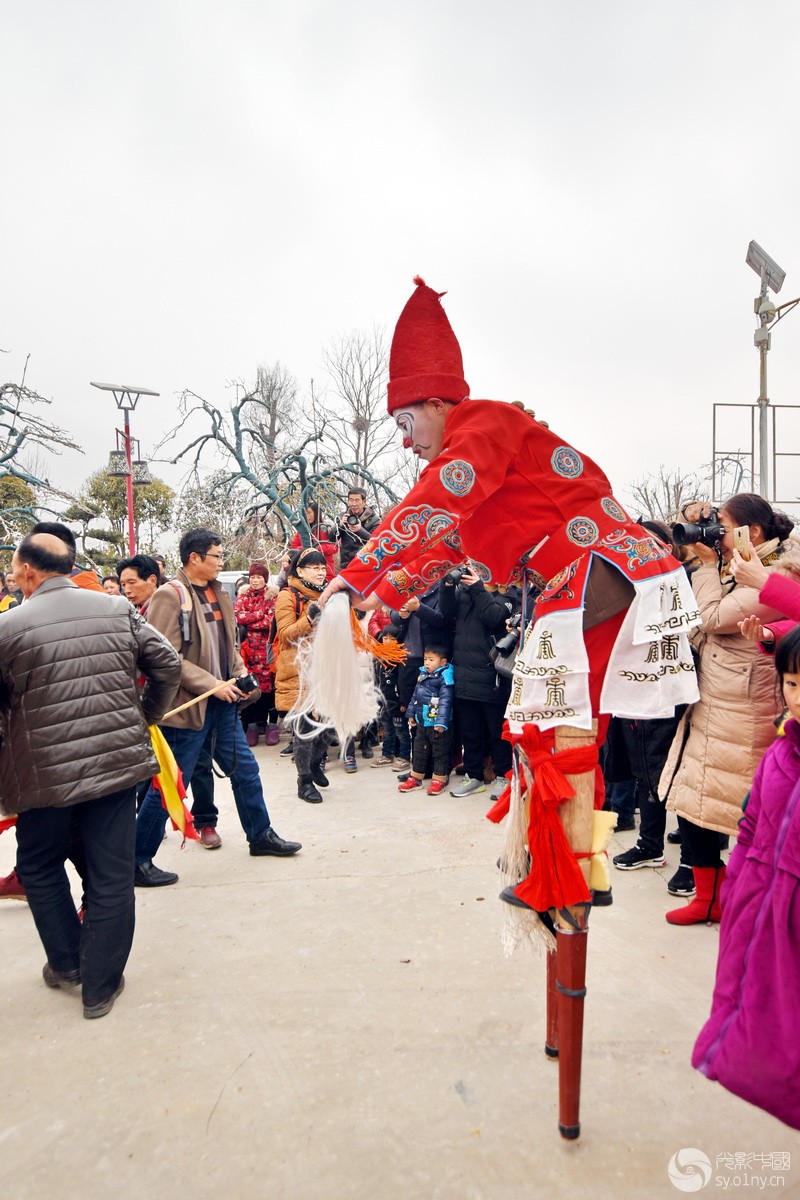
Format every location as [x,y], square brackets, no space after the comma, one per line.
[258,568]
[425,359]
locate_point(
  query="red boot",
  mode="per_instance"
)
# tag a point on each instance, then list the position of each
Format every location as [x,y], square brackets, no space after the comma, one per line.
[11,887]
[705,907]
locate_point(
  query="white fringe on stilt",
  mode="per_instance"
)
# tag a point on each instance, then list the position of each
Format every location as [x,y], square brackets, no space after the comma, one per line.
[337,682]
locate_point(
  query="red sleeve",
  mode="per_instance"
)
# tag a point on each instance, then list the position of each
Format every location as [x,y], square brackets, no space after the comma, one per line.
[782,594]
[378,621]
[329,550]
[778,629]
[410,540]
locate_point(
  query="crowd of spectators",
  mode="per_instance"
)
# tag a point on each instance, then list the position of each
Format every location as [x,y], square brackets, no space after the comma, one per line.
[234,666]
[700,763]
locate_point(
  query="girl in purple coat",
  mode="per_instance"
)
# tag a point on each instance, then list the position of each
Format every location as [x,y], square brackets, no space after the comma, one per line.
[750,1042]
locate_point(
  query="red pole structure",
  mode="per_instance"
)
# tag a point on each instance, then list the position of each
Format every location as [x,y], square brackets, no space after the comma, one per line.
[129,487]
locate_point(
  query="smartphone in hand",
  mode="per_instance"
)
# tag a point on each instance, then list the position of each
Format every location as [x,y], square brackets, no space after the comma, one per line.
[741,541]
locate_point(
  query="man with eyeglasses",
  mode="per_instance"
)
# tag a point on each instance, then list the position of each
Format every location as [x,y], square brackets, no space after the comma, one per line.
[195,615]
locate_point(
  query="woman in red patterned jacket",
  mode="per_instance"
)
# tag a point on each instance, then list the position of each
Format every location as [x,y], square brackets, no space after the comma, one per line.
[254,610]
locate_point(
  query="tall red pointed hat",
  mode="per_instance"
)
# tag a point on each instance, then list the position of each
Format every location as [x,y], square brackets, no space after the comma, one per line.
[425,359]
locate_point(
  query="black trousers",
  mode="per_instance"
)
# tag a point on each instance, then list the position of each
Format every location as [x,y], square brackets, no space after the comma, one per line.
[308,751]
[699,847]
[261,711]
[480,728]
[432,747]
[101,945]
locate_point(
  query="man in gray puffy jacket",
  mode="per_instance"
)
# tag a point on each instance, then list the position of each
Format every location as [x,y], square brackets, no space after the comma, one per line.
[74,745]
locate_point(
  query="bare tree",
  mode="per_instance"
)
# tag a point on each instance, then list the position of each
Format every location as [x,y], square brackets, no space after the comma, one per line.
[357,426]
[211,502]
[238,441]
[24,437]
[274,410]
[23,432]
[660,495]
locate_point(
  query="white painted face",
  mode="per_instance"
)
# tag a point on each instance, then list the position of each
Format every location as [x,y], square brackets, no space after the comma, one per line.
[422,427]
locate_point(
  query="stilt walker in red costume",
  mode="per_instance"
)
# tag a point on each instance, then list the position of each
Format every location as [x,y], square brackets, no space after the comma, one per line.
[608,635]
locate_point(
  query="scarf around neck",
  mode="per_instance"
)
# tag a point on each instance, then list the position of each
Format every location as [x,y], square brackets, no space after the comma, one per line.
[311,590]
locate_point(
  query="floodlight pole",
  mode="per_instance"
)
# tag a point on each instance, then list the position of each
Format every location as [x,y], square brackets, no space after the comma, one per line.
[762,341]
[129,485]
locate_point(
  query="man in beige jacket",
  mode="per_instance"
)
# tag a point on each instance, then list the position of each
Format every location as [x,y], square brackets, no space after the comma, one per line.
[195,615]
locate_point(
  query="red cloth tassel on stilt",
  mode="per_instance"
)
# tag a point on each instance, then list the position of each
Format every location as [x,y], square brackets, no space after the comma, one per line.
[500,807]
[556,880]
[6,823]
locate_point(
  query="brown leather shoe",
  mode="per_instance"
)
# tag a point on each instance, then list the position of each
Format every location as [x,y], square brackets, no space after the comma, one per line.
[210,838]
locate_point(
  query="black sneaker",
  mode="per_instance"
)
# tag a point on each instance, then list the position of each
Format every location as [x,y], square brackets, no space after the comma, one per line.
[625,824]
[682,882]
[638,857]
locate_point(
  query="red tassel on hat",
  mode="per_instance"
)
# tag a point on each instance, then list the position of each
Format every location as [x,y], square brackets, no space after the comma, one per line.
[425,359]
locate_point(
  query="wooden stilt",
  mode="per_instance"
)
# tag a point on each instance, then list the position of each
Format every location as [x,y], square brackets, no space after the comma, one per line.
[551,1034]
[572,935]
[570,957]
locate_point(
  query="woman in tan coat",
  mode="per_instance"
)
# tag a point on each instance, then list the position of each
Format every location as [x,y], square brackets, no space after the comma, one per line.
[296,613]
[721,739]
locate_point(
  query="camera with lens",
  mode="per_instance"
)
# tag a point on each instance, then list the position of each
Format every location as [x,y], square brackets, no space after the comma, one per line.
[706,530]
[247,684]
[456,575]
[509,641]
[352,519]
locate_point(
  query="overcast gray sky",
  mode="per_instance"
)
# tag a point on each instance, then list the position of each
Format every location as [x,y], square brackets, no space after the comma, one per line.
[191,188]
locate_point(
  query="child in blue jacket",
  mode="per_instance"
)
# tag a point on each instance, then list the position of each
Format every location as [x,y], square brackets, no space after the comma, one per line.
[430,711]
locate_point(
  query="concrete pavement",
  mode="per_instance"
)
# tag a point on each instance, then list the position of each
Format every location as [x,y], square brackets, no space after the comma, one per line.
[344,1025]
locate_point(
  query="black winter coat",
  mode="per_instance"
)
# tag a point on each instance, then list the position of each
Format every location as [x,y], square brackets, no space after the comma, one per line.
[480,618]
[350,542]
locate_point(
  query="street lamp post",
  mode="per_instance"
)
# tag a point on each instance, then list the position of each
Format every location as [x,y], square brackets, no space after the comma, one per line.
[772,277]
[126,399]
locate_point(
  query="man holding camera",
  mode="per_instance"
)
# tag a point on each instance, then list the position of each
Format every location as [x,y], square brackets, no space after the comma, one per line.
[355,526]
[195,614]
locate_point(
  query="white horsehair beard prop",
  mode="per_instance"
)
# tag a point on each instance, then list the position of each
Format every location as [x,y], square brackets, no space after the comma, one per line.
[337,682]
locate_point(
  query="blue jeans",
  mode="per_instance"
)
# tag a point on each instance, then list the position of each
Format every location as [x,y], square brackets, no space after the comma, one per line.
[396,738]
[204,810]
[232,753]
